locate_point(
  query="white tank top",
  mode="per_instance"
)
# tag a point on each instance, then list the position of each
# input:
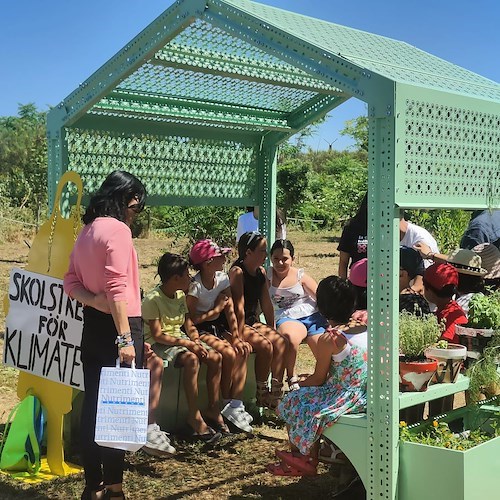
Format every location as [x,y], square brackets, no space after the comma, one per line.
[292,302]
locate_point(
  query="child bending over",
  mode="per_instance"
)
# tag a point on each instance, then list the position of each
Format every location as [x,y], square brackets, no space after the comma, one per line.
[337,386]
[211,309]
[164,311]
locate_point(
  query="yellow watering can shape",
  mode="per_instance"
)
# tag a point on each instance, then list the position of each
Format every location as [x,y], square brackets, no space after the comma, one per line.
[49,255]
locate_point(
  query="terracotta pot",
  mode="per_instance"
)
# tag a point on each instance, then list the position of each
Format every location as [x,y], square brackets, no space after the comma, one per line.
[449,362]
[415,375]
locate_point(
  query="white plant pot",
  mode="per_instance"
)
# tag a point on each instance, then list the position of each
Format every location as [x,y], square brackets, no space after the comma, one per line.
[449,362]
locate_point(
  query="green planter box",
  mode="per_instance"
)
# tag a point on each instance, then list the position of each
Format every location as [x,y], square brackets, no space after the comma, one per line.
[432,473]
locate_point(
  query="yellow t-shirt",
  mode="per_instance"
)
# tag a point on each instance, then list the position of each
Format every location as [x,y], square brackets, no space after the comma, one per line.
[170,312]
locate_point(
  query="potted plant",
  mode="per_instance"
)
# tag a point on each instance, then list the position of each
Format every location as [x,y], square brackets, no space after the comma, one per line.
[435,462]
[416,334]
[449,357]
[483,372]
[484,319]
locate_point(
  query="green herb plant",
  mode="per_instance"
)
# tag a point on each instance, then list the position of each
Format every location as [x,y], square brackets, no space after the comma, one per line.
[417,333]
[439,434]
[483,374]
[484,311]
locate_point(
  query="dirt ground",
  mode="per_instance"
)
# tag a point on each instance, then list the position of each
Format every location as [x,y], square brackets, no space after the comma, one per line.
[235,468]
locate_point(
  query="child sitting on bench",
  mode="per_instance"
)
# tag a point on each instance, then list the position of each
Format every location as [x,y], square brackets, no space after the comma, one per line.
[164,311]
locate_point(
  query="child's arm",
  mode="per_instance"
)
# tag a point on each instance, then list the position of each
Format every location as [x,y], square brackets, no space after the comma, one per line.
[236,281]
[266,305]
[310,285]
[331,342]
[214,313]
[194,335]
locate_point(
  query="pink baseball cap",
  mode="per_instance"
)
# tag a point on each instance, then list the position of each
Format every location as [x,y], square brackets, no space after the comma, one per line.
[204,250]
[359,273]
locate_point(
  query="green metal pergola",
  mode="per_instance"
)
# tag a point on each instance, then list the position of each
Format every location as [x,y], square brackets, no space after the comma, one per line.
[197,103]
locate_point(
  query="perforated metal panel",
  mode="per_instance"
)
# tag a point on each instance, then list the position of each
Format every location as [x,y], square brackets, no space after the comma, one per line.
[171,168]
[448,150]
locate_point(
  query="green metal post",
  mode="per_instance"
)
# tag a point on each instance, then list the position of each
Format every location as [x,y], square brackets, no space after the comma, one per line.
[266,192]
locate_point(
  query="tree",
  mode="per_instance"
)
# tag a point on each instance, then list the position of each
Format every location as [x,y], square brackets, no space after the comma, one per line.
[358,130]
[23,158]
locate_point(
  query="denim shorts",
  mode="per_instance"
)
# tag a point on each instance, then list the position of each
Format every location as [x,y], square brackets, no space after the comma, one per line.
[315,323]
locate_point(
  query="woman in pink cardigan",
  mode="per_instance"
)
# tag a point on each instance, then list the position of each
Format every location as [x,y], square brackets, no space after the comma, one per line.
[103,274]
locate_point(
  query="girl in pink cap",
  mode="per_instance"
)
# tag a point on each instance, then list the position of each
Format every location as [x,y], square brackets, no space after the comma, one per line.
[211,308]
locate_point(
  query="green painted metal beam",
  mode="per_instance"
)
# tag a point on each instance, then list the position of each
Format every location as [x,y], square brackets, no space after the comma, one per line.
[193,59]
[135,104]
[138,126]
[126,61]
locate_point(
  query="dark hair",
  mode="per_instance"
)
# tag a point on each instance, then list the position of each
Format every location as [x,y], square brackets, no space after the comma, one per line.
[361,297]
[282,245]
[446,292]
[112,198]
[336,298]
[248,241]
[171,264]
[468,283]
[361,217]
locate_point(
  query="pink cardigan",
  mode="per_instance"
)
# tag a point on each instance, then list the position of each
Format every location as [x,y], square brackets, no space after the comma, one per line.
[104,260]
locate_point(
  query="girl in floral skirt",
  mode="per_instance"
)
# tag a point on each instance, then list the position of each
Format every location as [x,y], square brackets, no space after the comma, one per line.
[337,386]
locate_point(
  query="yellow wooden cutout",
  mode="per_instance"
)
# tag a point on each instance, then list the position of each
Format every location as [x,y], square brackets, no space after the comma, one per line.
[49,255]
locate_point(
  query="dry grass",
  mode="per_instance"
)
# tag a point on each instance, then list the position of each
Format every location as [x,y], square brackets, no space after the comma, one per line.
[235,468]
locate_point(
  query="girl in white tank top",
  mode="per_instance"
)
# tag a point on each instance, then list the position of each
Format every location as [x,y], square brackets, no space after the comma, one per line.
[293,294]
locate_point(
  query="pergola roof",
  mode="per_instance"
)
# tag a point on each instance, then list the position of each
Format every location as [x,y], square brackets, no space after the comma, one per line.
[210,84]
[205,71]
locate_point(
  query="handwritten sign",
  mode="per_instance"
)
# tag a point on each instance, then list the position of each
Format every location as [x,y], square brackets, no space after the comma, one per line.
[43,330]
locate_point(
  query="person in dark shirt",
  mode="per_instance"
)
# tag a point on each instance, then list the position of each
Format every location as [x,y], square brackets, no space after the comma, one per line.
[353,243]
[484,227]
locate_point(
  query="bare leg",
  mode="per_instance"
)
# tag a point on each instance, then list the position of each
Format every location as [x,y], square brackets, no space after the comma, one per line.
[263,349]
[295,333]
[189,361]
[228,361]
[155,366]
[214,366]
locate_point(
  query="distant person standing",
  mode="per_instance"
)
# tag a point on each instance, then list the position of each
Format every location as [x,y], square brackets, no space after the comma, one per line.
[409,235]
[353,244]
[484,227]
[249,222]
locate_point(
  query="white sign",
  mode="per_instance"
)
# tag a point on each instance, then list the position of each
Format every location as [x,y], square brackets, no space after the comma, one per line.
[43,330]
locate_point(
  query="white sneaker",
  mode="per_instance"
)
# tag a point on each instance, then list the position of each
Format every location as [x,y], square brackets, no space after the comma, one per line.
[157,442]
[238,417]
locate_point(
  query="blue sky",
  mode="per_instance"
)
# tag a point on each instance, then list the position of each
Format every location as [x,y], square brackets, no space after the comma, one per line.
[48,47]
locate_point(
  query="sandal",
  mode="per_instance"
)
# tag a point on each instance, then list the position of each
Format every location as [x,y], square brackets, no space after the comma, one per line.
[217,426]
[304,463]
[275,395]
[283,469]
[210,437]
[293,383]
[261,394]
[330,454]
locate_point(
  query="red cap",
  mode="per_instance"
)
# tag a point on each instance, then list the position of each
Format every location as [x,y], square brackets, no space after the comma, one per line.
[440,275]
[359,273]
[204,250]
